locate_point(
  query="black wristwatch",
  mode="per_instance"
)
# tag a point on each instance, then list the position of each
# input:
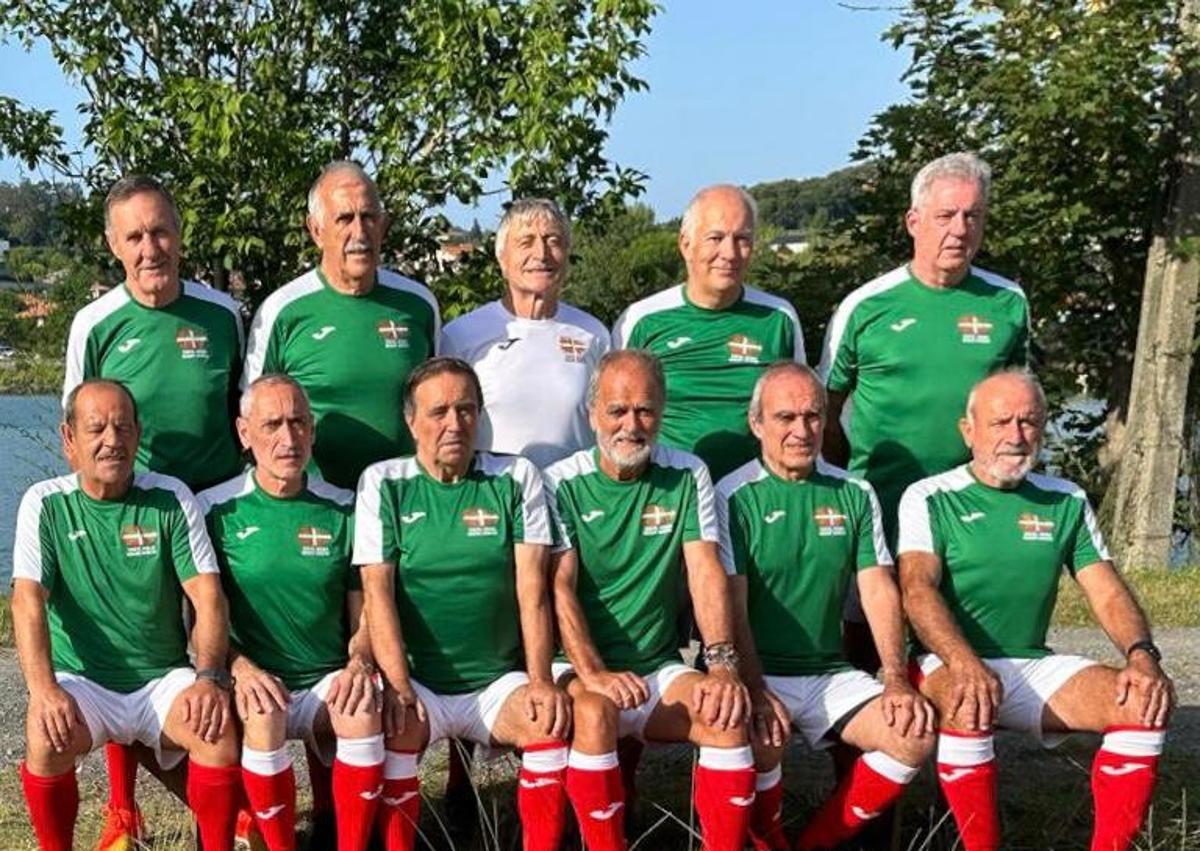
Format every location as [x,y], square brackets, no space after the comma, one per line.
[218,676]
[1145,644]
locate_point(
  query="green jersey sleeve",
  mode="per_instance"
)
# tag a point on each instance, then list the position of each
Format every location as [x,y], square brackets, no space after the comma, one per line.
[1088,543]
[916,525]
[531,517]
[871,546]
[839,354]
[375,530]
[191,550]
[699,505]
[34,553]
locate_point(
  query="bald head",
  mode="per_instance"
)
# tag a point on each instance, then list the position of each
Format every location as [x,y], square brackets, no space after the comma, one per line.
[1003,427]
[716,239]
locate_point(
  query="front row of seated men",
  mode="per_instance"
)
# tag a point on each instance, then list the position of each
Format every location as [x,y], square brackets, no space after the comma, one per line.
[468,562]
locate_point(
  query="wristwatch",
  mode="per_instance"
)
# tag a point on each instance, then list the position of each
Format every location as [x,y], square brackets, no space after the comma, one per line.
[218,676]
[1145,644]
[721,654]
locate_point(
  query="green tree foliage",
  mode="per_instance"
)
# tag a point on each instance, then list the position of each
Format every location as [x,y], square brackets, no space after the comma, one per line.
[792,205]
[29,211]
[237,106]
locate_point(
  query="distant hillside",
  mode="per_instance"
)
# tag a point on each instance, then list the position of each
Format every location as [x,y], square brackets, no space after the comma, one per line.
[792,204]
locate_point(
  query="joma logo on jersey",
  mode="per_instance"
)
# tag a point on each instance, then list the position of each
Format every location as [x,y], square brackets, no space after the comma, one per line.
[314,541]
[394,336]
[193,344]
[743,350]
[139,540]
[1034,528]
[830,522]
[573,350]
[975,329]
[657,520]
[481,523]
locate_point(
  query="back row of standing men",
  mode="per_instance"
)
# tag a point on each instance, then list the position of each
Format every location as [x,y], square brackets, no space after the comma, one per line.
[905,349]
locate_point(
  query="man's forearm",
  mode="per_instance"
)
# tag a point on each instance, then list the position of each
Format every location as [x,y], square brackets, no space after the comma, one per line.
[387,642]
[750,667]
[211,634]
[709,588]
[360,637]
[881,605]
[537,619]
[934,624]
[576,640]
[32,634]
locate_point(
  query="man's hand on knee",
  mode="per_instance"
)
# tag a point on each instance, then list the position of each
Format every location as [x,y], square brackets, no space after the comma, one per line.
[354,690]
[548,708]
[399,700]
[56,715]
[1142,677]
[624,688]
[905,710]
[205,710]
[769,717]
[256,692]
[975,695]
[719,699]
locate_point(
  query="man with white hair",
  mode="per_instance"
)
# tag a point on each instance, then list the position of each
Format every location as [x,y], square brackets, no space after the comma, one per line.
[906,348]
[981,551]
[798,533]
[713,334]
[299,655]
[532,352]
[349,331]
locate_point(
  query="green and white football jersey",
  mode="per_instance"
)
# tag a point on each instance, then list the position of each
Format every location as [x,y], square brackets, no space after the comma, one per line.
[1002,552]
[629,539]
[113,572]
[352,354]
[286,569]
[181,362]
[711,359]
[907,356]
[452,548]
[799,545]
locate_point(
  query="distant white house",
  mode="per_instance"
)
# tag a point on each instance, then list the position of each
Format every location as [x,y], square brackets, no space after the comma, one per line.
[4,246]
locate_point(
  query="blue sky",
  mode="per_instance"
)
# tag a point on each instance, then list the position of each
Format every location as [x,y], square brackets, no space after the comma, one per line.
[761,90]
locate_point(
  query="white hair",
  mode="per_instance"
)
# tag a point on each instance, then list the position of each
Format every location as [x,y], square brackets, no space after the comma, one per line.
[1018,372]
[687,225]
[963,165]
[526,210]
[246,402]
[316,209]
[779,368]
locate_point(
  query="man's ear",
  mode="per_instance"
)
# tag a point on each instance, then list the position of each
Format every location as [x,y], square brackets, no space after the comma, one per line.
[967,429]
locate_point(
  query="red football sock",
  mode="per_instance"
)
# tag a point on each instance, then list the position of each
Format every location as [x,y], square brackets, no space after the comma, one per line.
[724,794]
[1123,776]
[966,766]
[357,784]
[53,805]
[766,816]
[122,775]
[541,798]
[213,794]
[270,785]
[320,778]
[597,794]
[400,810]
[872,785]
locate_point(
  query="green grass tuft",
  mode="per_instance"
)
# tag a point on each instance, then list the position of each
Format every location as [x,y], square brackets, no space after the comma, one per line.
[1171,598]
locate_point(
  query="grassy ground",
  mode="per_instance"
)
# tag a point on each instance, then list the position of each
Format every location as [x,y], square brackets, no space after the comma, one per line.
[1170,598]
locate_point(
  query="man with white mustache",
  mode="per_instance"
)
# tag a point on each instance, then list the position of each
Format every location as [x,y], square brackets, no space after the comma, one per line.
[981,551]
[635,520]
[349,331]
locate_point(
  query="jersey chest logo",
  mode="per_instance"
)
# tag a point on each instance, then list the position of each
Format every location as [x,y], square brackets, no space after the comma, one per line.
[975,329]
[314,541]
[139,541]
[658,520]
[573,350]
[830,522]
[743,349]
[481,523]
[1035,528]
[393,334]
[193,344]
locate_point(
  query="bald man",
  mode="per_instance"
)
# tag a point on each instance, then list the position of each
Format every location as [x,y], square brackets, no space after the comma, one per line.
[981,550]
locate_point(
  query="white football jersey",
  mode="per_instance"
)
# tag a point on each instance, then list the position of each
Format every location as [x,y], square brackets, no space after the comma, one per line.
[534,373]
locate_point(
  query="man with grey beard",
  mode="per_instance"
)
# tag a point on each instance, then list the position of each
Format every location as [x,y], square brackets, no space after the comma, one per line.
[635,520]
[981,551]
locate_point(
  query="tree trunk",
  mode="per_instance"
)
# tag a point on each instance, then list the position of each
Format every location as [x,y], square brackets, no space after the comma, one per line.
[1149,469]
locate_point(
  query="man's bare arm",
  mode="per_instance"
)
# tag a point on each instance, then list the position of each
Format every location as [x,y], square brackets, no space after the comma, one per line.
[360,637]
[1122,619]
[537,618]
[975,692]
[210,634]
[835,446]
[387,646]
[709,588]
[903,708]
[769,719]
[572,624]
[52,711]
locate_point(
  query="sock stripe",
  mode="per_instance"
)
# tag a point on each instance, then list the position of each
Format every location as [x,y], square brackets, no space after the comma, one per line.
[1142,742]
[767,779]
[889,767]
[400,765]
[592,762]
[363,753]
[965,750]
[545,760]
[727,759]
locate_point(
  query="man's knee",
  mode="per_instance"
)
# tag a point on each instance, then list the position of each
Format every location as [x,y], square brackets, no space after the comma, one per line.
[357,726]
[265,729]
[706,735]
[226,750]
[596,717]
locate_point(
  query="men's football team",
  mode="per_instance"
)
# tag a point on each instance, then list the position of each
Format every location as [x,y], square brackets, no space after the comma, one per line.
[538,510]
